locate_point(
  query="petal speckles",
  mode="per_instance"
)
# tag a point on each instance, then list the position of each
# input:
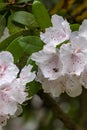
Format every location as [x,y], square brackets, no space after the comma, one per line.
[49,63]
[73,56]
[58,33]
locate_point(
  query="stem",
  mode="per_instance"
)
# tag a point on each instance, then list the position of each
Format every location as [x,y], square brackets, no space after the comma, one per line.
[51,103]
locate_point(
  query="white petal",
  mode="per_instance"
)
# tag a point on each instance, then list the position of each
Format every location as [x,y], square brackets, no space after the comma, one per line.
[66,28]
[40,56]
[52,86]
[73,60]
[73,86]
[26,75]
[7,103]
[83,78]
[52,68]
[6,57]
[8,70]
[57,20]
[58,33]
[49,49]
[83,29]
[54,36]
[49,63]
[17,92]
[79,43]
[8,74]
[49,86]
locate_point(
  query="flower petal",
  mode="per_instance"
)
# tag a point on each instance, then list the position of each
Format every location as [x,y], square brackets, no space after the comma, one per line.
[49,63]
[58,33]
[73,60]
[83,78]
[73,86]
[26,75]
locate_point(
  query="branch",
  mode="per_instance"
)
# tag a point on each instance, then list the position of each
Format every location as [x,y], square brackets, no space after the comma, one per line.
[51,103]
[84,109]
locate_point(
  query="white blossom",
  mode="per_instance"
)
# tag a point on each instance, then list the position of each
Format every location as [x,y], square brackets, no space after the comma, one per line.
[49,62]
[12,86]
[73,56]
[49,86]
[17,87]
[65,83]
[58,33]
[8,70]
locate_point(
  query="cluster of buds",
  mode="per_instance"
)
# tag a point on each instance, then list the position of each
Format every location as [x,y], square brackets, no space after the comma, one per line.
[62,63]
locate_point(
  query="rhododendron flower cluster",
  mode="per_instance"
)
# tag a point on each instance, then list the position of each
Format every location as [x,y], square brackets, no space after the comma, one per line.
[62,67]
[62,63]
[12,86]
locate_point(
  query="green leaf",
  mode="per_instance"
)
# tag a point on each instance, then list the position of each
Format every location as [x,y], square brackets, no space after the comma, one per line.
[2,4]
[15,49]
[21,45]
[2,24]
[25,18]
[41,14]
[5,43]
[12,26]
[31,44]
[74,27]
[1,1]
[33,88]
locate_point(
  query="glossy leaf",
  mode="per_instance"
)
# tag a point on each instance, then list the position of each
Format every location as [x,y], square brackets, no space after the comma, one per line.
[5,43]
[33,88]
[31,44]
[27,44]
[41,14]
[13,28]
[25,18]
[74,27]
[15,49]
